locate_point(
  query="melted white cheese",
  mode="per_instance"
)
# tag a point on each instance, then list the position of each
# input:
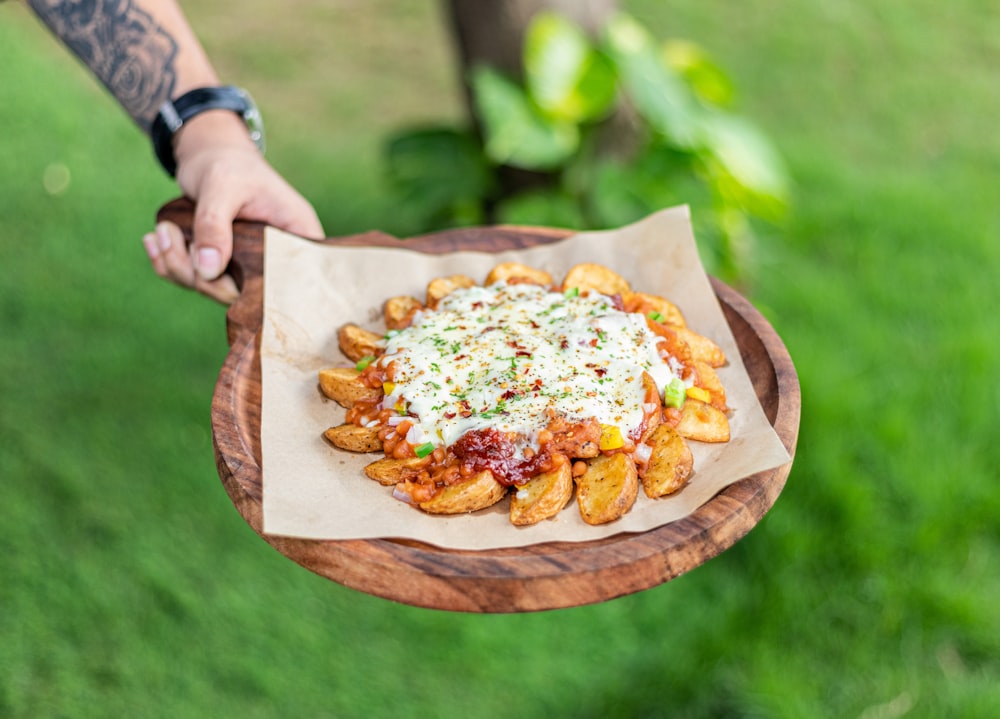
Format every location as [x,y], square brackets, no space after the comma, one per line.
[501,356]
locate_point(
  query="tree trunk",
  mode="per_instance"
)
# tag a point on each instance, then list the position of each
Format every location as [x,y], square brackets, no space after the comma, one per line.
[491,32]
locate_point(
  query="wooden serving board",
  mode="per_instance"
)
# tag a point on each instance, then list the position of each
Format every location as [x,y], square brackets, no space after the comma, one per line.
[538,577]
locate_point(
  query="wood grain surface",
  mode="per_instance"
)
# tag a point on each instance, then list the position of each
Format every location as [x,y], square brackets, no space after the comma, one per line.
[539,577]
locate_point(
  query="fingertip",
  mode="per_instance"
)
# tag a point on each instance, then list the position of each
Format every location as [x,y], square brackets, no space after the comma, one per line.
[207,262]
[163,237]
[152,246]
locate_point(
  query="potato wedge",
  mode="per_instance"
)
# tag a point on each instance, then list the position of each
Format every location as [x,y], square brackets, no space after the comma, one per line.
[670,463]
[590,276]
[707,378]
[356,342]
[702,422]
[541,497]
[354,438]
[608,488]
[341,384]
[390,471]
[478,492]
[653,396]
[398,311]
[441,287]
[644,303]
[516,271]
[702,348]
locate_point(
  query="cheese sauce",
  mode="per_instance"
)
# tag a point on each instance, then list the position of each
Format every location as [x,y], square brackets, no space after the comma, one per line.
[502,356]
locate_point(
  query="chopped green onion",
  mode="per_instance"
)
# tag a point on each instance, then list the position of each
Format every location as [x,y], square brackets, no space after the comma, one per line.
[364,362]
[424,449]
[674,393]
[656,316]
[572,292]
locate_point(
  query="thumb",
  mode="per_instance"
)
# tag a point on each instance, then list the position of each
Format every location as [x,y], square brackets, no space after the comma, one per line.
[212,247]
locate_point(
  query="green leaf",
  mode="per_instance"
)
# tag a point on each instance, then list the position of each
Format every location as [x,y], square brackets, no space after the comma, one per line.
[658,177]
[516,134]
[744,166]
[704,76]
[564,74]
[660,97]
[438,171]
[549,208]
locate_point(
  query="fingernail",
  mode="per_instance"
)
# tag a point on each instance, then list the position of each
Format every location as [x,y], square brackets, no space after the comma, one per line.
[208,263]
[149,242]
[163,234]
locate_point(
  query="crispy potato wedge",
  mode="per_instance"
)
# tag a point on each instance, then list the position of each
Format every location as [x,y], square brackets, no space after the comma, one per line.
[645,303]
[398,311]
[441,287]
[708,379]
[478,492]
[579,441]
[341,384]
[670,463]
[652,396]
[702,422]
[354,438]
[517,271]
[702,348]
[389,471]
[356,342]
[608,488]
[590,276]
[541,497]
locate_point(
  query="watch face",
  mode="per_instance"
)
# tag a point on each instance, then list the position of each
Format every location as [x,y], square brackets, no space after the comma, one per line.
[253,120]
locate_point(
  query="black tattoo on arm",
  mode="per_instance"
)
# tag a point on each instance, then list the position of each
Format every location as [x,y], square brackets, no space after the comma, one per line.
[122,45]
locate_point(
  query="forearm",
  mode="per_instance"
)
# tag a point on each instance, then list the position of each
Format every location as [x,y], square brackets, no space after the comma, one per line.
[143,51]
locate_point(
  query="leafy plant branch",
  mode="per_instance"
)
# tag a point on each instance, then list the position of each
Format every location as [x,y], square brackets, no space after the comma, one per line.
[598,133]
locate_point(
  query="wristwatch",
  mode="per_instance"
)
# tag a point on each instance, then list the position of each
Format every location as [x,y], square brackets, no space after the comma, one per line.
[174,113]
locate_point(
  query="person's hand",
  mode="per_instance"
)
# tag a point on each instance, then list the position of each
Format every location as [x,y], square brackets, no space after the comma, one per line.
[221,170]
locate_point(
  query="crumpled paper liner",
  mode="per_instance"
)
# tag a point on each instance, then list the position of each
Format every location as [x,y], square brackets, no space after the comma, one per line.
[313,490]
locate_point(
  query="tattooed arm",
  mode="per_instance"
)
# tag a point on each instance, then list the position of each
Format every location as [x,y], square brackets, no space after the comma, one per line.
[145,53]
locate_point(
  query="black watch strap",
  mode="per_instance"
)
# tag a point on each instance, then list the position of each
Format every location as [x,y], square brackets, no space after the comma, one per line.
[174,113]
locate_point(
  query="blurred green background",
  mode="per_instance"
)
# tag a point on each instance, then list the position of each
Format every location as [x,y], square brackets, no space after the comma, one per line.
[130,587]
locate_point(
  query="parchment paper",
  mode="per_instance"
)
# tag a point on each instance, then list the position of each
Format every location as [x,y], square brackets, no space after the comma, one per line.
[313,490]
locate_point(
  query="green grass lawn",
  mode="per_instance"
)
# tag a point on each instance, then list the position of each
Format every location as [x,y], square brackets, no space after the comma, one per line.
[130,587]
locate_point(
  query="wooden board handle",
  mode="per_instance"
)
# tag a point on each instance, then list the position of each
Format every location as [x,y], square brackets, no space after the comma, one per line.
[248,239]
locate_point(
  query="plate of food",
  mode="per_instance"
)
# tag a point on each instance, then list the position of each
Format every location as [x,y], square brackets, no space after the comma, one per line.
[297,462]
